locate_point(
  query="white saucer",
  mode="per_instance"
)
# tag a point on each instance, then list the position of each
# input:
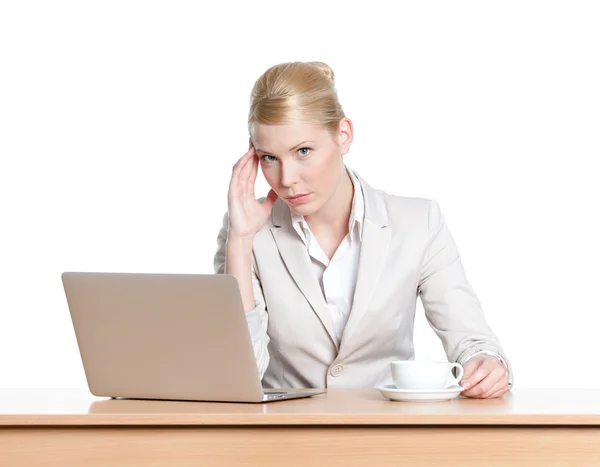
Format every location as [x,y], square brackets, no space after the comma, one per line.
[410,395]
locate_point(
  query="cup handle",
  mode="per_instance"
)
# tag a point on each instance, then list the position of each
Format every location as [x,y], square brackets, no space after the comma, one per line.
[459,371]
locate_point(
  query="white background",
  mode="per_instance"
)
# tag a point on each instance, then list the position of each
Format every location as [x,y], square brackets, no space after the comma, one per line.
[120,122]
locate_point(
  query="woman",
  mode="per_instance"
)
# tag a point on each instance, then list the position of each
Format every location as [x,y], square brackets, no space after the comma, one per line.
[330,268]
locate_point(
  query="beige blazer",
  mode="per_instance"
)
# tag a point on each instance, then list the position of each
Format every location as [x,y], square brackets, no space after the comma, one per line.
[407,252]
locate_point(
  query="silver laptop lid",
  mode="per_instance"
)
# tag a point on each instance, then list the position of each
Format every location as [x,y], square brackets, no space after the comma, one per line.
[163,336]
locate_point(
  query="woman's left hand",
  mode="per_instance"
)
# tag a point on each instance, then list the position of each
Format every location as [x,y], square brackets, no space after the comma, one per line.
[485,377]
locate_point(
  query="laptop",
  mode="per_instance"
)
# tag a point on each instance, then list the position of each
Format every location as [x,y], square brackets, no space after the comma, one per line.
[166,337]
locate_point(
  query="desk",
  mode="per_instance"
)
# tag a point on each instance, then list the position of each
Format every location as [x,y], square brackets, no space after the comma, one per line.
[345,427]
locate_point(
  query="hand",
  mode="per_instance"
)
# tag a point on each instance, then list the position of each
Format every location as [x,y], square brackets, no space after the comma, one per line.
[485,377]
[246,214]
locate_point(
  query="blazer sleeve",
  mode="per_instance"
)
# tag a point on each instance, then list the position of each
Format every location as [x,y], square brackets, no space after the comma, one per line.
[451,306]
[257,318]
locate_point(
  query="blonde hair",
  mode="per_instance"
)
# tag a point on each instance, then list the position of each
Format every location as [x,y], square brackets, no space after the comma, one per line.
[296,92]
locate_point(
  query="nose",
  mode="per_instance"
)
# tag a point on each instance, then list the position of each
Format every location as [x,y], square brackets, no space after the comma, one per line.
[289,174]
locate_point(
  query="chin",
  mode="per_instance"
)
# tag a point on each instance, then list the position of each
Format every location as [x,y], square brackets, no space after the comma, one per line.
[302,209]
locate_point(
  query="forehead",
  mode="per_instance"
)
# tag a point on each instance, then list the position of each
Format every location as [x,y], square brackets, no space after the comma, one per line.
[280,138]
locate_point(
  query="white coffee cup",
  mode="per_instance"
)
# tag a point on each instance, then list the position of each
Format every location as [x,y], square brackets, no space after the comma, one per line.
[414,374]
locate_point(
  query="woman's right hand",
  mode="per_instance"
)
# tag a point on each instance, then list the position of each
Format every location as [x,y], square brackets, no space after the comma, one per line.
[246,214]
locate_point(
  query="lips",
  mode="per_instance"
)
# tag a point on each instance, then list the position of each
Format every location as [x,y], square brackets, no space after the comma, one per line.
[298,199]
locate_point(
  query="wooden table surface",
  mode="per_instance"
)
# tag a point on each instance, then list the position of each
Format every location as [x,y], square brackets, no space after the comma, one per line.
[23,407]
[342,428]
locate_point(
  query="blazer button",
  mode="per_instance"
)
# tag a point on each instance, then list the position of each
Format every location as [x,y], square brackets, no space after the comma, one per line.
[336,370]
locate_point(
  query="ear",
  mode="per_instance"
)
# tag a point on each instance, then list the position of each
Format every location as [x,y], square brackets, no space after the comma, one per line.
[345,135]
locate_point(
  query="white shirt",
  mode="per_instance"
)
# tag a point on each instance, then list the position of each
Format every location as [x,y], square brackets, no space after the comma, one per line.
[337,277]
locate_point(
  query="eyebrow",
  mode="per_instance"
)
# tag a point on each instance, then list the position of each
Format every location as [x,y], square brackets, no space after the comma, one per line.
[291,149]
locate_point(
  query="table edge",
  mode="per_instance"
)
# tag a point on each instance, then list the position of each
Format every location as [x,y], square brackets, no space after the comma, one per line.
[236,420]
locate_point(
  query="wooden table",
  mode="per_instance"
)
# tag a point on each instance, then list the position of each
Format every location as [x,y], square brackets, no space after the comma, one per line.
[345,427]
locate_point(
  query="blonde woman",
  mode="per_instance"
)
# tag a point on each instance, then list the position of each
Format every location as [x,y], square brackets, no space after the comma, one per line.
[329,267]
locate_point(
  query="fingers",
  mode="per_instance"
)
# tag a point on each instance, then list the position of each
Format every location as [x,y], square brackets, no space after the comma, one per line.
[478,368]
[497,389]
[499,393]
[491,383]
[250,170]
[234,183]
[242,160]
[249,174]
[500,373]
[473,372]
[236,173]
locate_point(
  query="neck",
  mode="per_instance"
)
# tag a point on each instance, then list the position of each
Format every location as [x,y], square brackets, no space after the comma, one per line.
[335,213]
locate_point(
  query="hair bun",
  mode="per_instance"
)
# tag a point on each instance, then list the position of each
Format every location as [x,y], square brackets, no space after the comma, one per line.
[324,68]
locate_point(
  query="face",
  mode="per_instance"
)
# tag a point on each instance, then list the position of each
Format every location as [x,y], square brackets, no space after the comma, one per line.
[302,159]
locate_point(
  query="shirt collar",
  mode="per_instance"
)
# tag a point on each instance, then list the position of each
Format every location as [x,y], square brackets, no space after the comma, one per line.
[357,213]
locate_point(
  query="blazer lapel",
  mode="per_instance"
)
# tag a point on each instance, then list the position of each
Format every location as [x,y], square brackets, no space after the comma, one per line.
[374,247]
[297,260]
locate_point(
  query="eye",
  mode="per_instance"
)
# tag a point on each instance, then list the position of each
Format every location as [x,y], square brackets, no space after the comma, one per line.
[266,157]
[267,160]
